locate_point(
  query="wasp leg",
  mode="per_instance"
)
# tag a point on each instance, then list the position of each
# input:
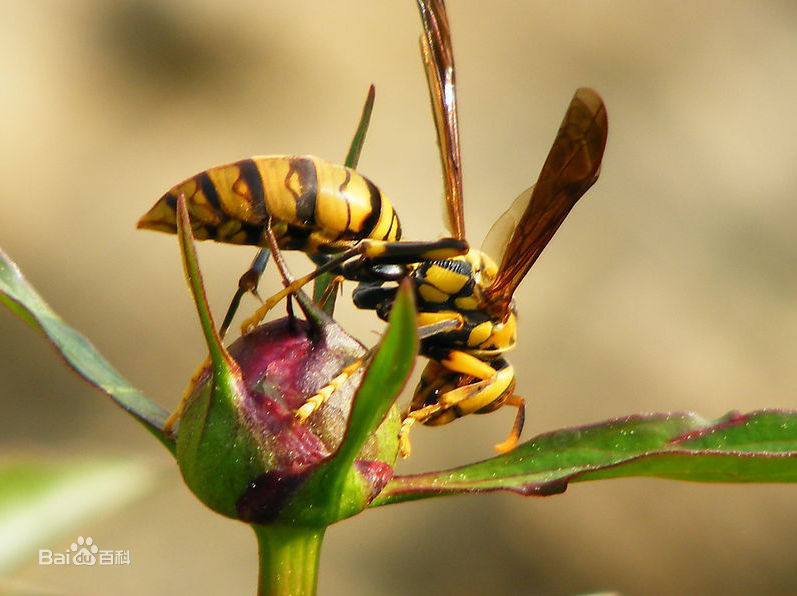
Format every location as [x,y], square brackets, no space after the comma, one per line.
[467,364]
[315,401]
[247,283]
[384,252]
[178,411]
[372,295]
[442,412]
[304,303]
[517,427]
[491,389]
[431,384]
[334,285]
[405,447]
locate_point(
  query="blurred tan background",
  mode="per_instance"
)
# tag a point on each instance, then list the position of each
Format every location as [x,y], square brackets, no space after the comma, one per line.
[672,286]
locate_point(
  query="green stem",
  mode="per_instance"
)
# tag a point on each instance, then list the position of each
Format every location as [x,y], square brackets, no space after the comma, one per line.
[288,560]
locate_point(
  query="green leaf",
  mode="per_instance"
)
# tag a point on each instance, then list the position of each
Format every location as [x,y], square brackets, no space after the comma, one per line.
[756,447]
[356,147]
[80,355]
[40,501]
[383,381]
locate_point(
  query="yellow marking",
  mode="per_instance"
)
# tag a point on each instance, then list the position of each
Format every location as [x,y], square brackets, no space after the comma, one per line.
[359,197]
[432,294]
[446,280]
[382,229]
[200,209]
[223,178]
[430,318]
[504,335]
[280,202]
[467,303]
[483,266]
[485,392]
[241,188]
[187,187]
[373,248]
[334,193]
[294,183]
[480,333]
[161,218]
[461,362]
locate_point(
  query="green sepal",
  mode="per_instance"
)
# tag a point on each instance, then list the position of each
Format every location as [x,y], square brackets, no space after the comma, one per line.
[216,451]
[338,489]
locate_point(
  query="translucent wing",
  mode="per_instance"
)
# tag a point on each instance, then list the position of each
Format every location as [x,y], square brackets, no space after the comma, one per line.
[438,62]
[572,166]
[500,233]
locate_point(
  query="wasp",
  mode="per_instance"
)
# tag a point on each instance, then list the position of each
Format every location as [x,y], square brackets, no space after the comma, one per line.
[466,312]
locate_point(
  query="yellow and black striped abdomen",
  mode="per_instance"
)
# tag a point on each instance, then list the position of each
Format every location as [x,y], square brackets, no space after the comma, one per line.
[314,205]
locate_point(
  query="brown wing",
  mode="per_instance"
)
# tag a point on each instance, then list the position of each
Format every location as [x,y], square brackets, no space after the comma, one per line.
[572,166]
[438,61]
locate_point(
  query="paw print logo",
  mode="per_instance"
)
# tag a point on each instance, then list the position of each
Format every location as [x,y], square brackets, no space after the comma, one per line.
[84,551]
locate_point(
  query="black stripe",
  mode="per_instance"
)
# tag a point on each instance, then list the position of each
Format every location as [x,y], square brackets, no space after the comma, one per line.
[170,199]
[346,232]
[251,175]
[308,189]
[253,234]
[369,223]
[386,235]
[295,238]
[394,225]
[346,180]
[398,226]
[209,190]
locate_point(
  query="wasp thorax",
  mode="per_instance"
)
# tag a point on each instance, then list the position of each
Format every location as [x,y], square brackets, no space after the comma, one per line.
[245,452]
[483,267]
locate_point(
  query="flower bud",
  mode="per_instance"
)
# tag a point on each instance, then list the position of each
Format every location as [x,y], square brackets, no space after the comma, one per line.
[241,448]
